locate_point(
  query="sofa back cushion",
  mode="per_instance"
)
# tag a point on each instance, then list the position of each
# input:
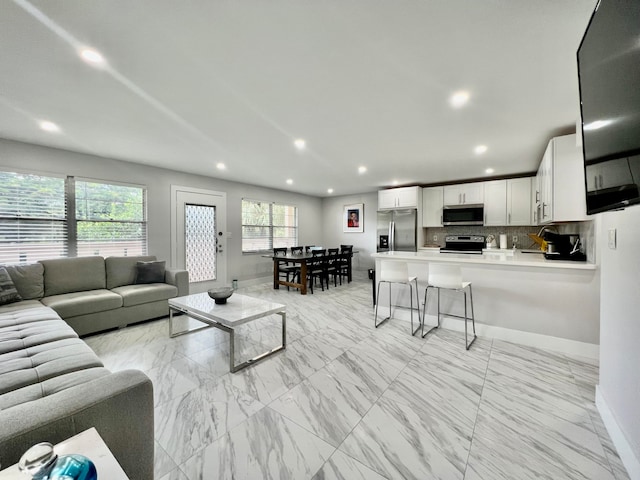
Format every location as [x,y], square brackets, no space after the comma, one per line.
[122,270]
[28,279]
[66,275]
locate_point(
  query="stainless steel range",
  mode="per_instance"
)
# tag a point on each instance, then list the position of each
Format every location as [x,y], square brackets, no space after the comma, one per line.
[463,244]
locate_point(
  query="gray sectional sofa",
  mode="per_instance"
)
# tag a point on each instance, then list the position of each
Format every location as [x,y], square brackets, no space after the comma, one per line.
[52,385]
[94,293]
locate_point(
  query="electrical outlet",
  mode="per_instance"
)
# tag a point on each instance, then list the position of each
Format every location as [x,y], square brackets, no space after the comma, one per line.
[435,238]
[515,239]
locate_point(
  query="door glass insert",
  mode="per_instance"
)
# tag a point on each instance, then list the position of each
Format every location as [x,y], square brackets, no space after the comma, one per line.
[200,242]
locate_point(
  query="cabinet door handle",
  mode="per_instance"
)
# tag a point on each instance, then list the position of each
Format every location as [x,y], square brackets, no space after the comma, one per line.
[537,196]
[544,215]
[441,219]
[595,181]
[464,198]
[509,219]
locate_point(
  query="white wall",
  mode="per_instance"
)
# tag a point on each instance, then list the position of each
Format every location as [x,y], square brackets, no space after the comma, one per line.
[620,326]
[333,235]
[37,159]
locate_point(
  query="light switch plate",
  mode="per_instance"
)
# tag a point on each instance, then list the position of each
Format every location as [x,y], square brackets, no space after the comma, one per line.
[612,238]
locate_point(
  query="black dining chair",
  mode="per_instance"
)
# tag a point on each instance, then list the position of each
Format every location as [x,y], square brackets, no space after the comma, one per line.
[297,250]
[316,268]
[308,248]
[332,266]
[346,254]
[285,269]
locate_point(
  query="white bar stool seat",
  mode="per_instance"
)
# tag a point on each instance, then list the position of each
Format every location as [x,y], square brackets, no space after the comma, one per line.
[449,277]
[392,271]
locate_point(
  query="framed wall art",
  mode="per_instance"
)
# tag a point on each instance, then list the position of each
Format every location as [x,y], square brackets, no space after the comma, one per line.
[353,218]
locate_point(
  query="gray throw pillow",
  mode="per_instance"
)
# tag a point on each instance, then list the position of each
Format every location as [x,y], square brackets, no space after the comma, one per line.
[150,272]
[8,291]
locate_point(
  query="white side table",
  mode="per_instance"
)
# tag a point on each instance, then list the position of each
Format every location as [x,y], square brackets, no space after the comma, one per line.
[88,443]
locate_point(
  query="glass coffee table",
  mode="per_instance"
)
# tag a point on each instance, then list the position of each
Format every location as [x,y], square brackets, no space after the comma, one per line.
[238,310]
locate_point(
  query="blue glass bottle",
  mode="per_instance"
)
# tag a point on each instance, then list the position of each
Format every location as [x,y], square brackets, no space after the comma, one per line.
[42,463]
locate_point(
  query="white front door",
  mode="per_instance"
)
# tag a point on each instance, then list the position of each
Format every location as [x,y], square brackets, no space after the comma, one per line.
[199,226]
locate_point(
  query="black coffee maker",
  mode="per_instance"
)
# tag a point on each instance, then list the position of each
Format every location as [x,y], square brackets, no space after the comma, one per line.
[563,247]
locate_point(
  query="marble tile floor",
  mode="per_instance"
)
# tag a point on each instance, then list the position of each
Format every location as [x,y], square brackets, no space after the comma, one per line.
[348,401]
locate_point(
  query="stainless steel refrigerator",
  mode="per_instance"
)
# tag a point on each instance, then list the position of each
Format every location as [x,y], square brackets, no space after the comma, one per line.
[397,230]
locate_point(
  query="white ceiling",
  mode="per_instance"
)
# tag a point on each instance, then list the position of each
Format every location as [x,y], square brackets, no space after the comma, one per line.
[364,82]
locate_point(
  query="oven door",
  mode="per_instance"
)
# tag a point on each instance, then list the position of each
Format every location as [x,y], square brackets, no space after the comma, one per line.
[463,215]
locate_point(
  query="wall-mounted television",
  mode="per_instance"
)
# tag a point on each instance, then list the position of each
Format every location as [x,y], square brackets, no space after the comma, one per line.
[609,80]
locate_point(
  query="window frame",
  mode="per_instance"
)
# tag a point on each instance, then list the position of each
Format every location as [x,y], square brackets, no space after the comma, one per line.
[70,220]
[270,226]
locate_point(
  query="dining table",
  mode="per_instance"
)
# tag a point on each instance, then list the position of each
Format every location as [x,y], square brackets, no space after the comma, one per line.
[300,259]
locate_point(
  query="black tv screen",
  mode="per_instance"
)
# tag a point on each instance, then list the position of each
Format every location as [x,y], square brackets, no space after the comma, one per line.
[609,80]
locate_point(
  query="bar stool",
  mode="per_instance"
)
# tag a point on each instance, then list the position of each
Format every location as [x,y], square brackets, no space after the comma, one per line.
[449,277]
[392,271]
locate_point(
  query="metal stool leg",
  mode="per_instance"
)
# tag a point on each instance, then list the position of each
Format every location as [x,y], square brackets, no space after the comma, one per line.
[468,345]
[424,313]
[375,321]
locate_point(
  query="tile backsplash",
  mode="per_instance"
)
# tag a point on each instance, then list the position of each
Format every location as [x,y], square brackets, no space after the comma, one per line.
[584,229]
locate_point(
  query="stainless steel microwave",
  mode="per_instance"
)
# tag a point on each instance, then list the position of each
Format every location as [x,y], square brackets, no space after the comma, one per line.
[471,214]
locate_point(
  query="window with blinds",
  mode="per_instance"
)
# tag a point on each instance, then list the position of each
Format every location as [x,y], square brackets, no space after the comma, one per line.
[33,222]
[110,219]
[37,219]
[266,225]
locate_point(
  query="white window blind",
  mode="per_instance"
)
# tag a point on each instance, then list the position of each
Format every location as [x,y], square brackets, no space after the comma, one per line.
[110,219]
[266,225]
[33,223]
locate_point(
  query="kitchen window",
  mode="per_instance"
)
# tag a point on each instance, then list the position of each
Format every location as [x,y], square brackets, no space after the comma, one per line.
[37,219]
[266,225]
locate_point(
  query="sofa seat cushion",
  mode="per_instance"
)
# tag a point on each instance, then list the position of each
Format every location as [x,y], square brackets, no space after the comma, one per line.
[26,311]
[81,303]
[51,386]
[145,293]
[36,364]
[18,337]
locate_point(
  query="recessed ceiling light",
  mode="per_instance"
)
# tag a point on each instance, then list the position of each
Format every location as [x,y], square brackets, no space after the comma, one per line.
[362,169]
[300,144]
[221,166]
[49,126]
[91,56]
[289,181]
[458,99]
[330,190]
[480,149]
[395,182]
[489,171]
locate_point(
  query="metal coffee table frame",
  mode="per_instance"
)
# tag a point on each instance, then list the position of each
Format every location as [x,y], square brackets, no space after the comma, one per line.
[212,321]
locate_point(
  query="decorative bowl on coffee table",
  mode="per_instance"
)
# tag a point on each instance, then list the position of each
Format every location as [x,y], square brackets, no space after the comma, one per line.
[221,294]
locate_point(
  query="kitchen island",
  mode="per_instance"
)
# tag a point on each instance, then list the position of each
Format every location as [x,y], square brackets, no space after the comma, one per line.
[519,297]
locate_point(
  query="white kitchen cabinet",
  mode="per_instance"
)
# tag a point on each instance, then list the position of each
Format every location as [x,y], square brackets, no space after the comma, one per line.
[464,194]
[518,201]
[495,203]
[404,197]
[432,202]
[561,182]
[535,199]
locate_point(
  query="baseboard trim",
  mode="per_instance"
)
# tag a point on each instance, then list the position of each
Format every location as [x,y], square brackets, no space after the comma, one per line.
[537,340]
[631,463]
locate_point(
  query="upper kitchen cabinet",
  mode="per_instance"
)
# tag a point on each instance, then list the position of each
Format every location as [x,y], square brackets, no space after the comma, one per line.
[464,194]
[519,201]
[561,194]
[495,203]
[432,202]
[404,197]
[611,174]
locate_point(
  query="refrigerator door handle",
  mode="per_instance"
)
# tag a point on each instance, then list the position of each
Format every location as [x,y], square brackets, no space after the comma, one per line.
[392,235]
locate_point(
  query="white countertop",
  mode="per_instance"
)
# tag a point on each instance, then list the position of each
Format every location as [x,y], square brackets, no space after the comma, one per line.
[495,257]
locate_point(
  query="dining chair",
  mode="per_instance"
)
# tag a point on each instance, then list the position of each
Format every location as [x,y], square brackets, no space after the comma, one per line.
[346,255]
[393,271]
[332,266]
[316,268]
[285,269]
[444,276]
[308,248]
